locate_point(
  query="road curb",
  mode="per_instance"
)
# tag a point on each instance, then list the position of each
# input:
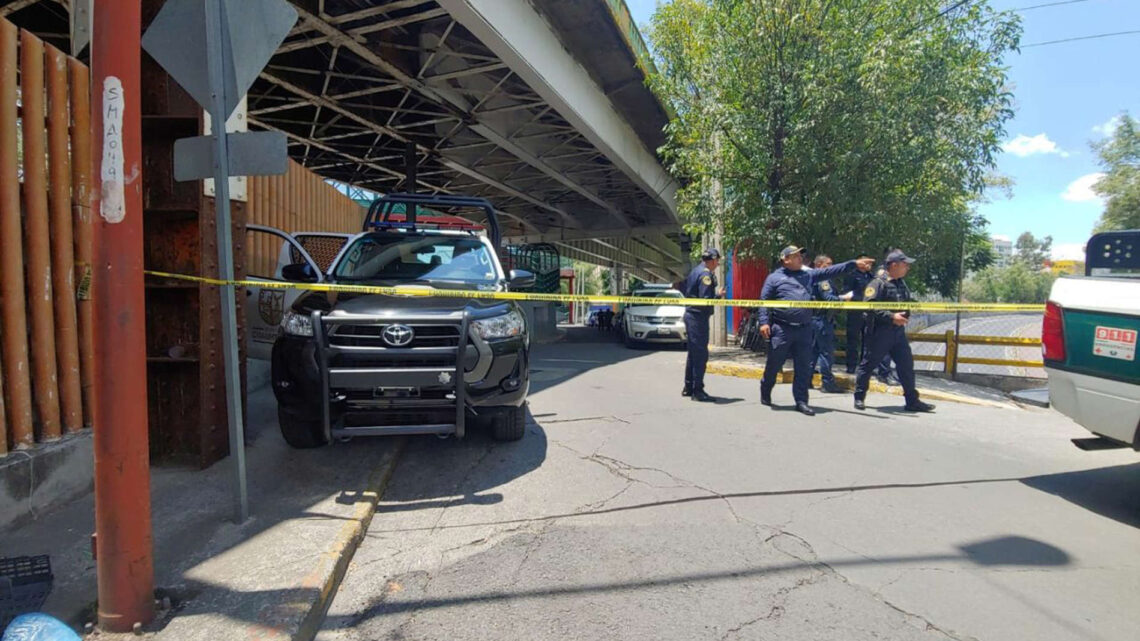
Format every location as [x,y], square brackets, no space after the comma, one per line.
[346,542]
[847,382]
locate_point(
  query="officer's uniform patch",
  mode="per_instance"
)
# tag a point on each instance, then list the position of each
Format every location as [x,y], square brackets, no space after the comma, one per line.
[869,293]
[825,287]
[706,280]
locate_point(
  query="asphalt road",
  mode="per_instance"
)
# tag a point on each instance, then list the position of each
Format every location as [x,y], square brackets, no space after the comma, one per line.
[1006,325]
[629,512]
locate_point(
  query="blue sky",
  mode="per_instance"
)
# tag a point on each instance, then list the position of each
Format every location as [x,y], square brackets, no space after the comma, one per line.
[1065,94]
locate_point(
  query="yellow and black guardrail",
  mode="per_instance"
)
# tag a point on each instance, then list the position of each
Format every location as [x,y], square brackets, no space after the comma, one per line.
[421,291]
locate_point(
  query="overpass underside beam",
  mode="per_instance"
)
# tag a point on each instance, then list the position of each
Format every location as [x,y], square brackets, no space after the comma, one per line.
[492,110]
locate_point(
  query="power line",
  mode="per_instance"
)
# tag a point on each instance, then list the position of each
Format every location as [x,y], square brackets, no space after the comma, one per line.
[1093,37]
[1048,4]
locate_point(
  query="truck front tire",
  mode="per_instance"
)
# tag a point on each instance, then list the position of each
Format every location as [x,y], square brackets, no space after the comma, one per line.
[509,423]
[300,432]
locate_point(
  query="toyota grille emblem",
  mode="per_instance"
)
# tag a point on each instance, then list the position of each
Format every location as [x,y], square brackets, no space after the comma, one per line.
[398,335]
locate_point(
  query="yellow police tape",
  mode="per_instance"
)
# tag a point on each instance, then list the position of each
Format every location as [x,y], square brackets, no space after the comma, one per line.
[421,291]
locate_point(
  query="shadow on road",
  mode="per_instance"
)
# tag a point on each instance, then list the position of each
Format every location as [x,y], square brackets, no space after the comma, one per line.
[1012,551]
[434,473]
[1113,492]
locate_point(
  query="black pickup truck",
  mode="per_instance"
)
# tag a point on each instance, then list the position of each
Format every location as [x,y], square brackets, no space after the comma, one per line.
[348,364]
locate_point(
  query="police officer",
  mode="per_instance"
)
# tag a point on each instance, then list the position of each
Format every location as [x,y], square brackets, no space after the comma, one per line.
[789,329]
[854,284]
[701,283]
[886,333]
[823,328]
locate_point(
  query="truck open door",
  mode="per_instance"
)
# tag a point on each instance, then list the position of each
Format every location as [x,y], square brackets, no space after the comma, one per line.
[274,257]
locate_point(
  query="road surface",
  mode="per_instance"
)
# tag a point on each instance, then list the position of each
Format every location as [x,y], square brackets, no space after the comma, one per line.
[629,512]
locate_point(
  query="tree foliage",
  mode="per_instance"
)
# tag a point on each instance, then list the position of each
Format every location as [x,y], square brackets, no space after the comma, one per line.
[1031,252]
[1120,186]
[1015,283]
[842,125]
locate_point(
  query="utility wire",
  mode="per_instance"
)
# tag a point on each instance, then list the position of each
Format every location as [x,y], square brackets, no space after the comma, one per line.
[1048,4]
[1093,37]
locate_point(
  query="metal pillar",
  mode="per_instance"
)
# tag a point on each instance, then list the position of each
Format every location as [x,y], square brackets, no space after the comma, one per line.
[124,564]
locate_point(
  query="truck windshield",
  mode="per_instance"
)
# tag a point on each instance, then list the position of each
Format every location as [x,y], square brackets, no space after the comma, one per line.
[413,257]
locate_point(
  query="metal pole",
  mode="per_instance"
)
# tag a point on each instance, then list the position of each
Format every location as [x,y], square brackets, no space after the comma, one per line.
[218,115]
[62,246]
[124,565]
[13,307]
[37,237]
[958,314]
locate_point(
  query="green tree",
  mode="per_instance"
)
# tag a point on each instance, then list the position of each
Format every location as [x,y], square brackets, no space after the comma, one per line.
[1016,283]
[1120,186]
[838,125]
[1031,252]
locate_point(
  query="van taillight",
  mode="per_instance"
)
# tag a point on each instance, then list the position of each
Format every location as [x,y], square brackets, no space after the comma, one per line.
[1053,333]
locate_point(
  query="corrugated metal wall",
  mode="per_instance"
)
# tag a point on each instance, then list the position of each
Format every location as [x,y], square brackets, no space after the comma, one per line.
[45,232]
[299,201]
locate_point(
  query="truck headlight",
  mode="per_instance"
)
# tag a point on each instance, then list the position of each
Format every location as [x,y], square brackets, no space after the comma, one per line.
[510,324]
[296,324]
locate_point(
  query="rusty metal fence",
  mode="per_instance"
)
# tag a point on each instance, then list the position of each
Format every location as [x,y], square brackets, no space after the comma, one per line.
[46,350]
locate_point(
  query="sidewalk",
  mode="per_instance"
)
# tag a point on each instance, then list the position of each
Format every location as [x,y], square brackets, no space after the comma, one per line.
[739,363]
[268,579]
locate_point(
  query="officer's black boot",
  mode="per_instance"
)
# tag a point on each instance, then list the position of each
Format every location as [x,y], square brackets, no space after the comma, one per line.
[919,406]
[859,404]
[765,396]
[687,391]
[702,397]
[805,409]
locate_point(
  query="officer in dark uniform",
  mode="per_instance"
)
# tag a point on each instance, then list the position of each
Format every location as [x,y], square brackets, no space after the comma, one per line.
[790,328]
[701,283]
[886,333]
[854,284]
[823,328]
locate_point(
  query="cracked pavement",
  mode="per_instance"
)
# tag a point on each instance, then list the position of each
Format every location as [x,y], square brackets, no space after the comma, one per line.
[629,512]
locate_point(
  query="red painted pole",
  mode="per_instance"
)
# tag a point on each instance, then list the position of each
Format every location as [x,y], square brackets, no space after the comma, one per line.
[124,562]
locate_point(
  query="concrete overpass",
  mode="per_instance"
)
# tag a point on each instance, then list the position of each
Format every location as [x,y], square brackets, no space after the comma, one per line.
[540,106]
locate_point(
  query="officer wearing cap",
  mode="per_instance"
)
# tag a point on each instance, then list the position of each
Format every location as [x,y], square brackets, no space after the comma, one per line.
[854,285]
[823,328]
[886,333]
[701,283]
[790,328]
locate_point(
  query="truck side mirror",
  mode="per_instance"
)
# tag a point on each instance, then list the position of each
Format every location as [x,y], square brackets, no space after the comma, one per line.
[521,279]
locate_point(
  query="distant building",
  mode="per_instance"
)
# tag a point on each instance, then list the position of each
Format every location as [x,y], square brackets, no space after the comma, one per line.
[1003,248]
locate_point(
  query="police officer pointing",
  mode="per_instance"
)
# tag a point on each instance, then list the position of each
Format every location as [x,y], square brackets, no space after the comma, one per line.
[790,329]
[886,333]
[701,283]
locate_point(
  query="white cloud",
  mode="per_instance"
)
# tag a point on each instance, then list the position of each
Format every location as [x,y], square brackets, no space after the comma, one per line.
[1080,190]
[1108,128]
[1023,146]
[1069,251]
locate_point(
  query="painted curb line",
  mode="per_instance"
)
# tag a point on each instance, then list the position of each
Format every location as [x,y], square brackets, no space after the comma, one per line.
[847,382]
[346,542]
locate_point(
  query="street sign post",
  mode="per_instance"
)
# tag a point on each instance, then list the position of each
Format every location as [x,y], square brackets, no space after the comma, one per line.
[182,29]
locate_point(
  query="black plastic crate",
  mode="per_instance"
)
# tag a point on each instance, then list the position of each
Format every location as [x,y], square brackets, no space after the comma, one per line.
[25,582]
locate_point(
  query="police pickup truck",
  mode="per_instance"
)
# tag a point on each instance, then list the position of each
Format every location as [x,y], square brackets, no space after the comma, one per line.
[351,364]
[1088,342]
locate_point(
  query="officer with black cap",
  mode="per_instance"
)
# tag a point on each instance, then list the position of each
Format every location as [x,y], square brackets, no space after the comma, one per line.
[886,333]
[790,329]
[701,283]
